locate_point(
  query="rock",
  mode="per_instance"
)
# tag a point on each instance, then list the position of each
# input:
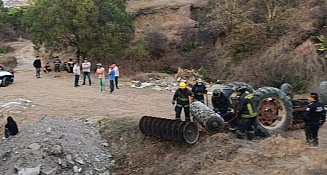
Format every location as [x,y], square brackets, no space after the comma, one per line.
[34,146]
[48,130]
[30,171]
[105,173]
[70,159]
[79,160]
[76,169]
[105,144]
[55,150]
[49,172]
[59,161]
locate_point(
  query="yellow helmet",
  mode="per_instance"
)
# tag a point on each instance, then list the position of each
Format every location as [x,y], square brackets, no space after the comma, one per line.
[182,85]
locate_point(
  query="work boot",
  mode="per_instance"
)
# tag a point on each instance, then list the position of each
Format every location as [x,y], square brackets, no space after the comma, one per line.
[315,142]
[250,136]
[240,135]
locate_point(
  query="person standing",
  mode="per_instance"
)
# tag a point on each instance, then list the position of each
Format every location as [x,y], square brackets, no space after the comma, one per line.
[70,64]
[314,117]
[37,65]
[77,73]
[101,76]
[116,75]
[86,66]
[56,63]
[199,89]
[112,76]
[10,128]
[246,112]
[183,96]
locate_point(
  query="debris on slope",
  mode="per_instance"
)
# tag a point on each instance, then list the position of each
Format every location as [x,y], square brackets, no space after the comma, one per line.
[54,146]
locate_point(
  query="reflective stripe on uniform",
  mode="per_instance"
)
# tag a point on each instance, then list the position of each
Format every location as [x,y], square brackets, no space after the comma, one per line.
[183,99]
[185,106]
[249,107]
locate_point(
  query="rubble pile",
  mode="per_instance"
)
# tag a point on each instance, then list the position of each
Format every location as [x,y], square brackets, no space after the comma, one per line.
[156,81]
[55,146]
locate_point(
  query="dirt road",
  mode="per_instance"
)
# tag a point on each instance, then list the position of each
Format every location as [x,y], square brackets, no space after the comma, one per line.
[57,97]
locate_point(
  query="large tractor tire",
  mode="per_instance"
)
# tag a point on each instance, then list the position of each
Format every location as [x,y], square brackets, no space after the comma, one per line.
[323,92]
[288,90]
[274,110]
[229,89]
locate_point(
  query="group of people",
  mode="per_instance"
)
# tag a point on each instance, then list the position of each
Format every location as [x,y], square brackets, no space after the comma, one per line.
[74,67]
[113,74]
[57,67]
[314,116]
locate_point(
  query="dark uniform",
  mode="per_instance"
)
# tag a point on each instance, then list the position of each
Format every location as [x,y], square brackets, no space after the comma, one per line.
[248,116]
[221,105]
[183,101]
[314,116]
[199,90]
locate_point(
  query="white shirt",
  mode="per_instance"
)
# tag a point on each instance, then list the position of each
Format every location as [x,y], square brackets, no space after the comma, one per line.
[116,71]
[77,69]
[86,67]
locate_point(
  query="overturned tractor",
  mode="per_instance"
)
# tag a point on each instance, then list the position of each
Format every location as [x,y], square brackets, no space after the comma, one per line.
[276,108]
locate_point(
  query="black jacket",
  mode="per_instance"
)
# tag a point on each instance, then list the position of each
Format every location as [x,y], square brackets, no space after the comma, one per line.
[245,107]
[182,97]
[199,91]
[37,63]
[315,114]
[221,104]
[12,127]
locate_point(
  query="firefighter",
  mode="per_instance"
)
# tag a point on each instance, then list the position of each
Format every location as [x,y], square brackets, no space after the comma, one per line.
[221,104]
[314,117]
[183,96]
[199,89]
[247,114]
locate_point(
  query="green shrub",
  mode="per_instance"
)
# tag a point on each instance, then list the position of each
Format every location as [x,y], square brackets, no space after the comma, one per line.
[322,45]
[168,69]
[6,49]
[139,51]
[191,46]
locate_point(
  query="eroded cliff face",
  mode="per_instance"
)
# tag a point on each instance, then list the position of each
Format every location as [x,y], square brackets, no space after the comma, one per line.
[173,19]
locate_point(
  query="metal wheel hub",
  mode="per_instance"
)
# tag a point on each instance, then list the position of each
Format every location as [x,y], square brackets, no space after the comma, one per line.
[270,112]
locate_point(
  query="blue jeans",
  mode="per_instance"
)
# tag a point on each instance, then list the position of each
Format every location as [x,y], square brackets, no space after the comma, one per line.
[111,85]
[76,80]
[88,75]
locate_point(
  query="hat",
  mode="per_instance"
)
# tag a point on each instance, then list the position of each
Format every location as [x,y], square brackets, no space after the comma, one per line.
[99,64]
[182,85]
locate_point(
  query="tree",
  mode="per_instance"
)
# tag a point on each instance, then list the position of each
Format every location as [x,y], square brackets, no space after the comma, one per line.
[96,28]
[226,14]
[2,17]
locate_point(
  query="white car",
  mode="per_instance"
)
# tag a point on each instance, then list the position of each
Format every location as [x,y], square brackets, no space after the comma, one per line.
[6,78]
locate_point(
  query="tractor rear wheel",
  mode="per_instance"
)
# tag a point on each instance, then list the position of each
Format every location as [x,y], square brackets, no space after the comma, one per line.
[274,110]
[229,89]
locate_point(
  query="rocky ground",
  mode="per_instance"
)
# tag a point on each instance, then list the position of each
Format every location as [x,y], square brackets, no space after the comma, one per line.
[55,146]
